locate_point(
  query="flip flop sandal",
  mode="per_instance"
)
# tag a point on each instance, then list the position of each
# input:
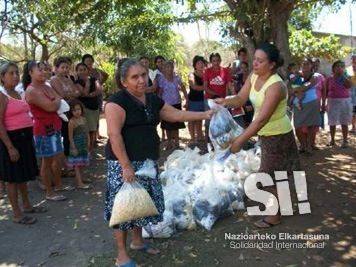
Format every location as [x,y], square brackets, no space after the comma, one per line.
[130,263]
[25,220]
[267,224]
[36,209]
[85,187]
[145,248]
[56,198]
[66,188]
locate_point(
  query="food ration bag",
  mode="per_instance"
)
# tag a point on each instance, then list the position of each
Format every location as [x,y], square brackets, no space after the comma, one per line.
[148,169]
[222,129]
[131,202]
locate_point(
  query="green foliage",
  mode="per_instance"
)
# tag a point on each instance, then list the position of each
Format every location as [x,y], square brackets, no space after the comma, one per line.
[303,43]
[110,84]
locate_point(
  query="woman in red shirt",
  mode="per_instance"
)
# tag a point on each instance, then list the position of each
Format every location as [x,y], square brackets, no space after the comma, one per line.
[44,103]
[216,83]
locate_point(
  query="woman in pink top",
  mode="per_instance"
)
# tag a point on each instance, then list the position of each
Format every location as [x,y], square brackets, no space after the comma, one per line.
[17,154]
[338,93]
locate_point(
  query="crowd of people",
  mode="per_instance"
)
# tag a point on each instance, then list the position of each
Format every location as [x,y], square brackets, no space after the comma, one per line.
[49,121]
[48,125]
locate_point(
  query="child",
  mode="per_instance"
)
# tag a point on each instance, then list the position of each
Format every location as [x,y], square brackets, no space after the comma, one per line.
[295,80]
[79,142]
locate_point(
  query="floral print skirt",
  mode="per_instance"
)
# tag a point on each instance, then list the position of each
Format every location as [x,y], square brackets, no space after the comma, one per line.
[113,185]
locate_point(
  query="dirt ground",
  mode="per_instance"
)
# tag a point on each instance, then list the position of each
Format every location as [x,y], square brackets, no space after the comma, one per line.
[73,233]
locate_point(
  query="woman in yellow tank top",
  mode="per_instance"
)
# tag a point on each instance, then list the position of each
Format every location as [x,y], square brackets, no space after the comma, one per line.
[268,95]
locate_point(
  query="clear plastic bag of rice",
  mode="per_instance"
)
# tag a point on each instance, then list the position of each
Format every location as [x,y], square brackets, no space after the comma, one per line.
[131,202]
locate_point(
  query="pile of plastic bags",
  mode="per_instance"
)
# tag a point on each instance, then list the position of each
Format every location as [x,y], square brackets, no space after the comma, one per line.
[200,189]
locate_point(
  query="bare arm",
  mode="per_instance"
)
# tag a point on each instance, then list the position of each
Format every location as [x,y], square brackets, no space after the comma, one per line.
[274,95]
[115,117]
[98,90]
[208,90]
[71,126]
[57,86]
[171,114]
[37,98]
[193,85]
[13,153]
[324,94]
[152,88]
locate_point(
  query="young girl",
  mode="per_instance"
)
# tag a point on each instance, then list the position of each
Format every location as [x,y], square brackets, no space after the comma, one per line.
[79,142]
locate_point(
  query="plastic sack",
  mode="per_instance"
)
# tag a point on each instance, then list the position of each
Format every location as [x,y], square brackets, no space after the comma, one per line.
[148,169]
[213,204]
[164,229]
[222,129]
[131,202]
[63,108]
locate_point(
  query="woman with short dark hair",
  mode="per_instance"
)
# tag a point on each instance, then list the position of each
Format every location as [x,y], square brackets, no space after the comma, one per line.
[339,104]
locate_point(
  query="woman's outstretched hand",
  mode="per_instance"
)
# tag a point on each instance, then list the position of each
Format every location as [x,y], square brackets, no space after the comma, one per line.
[220,101]
[208,114]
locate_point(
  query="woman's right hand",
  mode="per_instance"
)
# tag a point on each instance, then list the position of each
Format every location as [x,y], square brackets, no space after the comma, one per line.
[128,174]
[13,154]
[220,101]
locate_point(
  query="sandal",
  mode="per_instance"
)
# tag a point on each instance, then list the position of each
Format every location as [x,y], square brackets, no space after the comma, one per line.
[263,224]
[66,188]
[146,248]
[84,187]
[36,209]
[130,263]
[331,144]
[345,145]
[56,198]
[25,220]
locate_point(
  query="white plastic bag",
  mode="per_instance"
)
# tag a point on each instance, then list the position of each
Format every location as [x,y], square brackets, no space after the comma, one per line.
[164,229]
[148,169]
[63,107]
[222,129]
[131,202]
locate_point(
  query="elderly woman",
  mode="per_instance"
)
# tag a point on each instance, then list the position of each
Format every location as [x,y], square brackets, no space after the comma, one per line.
[132,116]
[169,87]
[338,93]
[44,103]
[17,154]
[268,94]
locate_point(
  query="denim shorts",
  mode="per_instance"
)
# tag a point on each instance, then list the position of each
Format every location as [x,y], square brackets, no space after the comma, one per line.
[48,146]
[196,105]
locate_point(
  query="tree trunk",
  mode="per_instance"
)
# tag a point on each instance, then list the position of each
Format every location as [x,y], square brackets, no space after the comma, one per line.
[25,40]
[279,16]
[33,49]
[45,52]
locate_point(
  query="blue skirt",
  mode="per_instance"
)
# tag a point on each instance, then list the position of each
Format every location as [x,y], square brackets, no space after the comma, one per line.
[113,185]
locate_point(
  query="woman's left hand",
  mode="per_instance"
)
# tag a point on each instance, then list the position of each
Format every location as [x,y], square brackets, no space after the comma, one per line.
[236,146]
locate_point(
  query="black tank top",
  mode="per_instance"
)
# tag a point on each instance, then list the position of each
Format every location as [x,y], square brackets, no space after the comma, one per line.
[139,131]
[195,95]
